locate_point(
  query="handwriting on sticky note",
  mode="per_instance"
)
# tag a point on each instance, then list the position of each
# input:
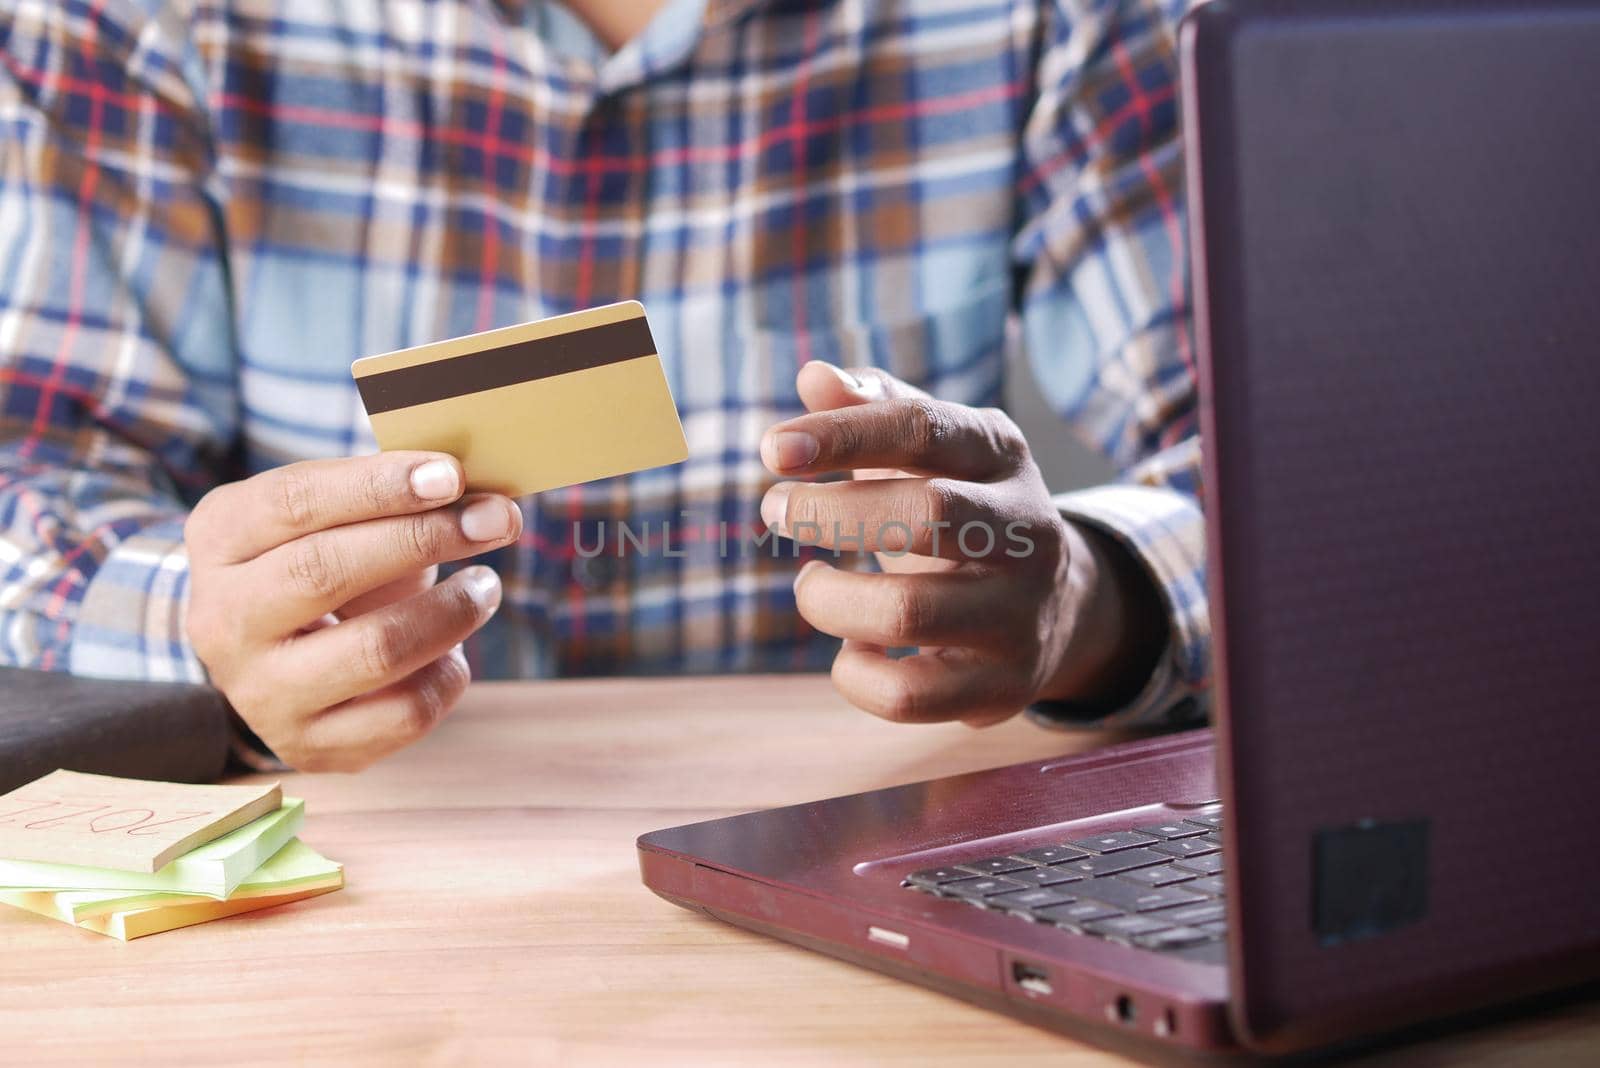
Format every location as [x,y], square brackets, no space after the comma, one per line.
[101,821]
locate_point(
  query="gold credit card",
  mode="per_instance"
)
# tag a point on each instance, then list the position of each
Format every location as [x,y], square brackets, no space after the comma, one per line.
[532,407]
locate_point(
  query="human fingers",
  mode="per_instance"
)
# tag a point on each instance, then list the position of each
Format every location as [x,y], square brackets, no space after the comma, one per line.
[241,520]
[390,593]
[929,687]
[357,734]
[285,589]
[918,435]
[897,610]
[934,517]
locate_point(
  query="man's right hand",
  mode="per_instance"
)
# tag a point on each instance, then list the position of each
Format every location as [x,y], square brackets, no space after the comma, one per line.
[314,600]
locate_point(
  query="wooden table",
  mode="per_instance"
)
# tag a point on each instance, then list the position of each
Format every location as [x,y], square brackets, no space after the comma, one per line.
[493,911]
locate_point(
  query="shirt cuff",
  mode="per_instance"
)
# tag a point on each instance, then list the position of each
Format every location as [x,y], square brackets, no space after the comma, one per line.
[1165,532]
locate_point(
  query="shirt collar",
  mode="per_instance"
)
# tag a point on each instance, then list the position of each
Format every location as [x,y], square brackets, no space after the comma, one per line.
[667,41]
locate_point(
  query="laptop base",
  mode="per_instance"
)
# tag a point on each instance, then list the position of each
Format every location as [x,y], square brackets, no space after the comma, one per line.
[831,876]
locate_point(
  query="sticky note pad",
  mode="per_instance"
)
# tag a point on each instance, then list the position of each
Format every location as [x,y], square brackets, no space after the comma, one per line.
[128,924]
[531,407]
[295,866]
[293,873]
[215,869]
[101,821]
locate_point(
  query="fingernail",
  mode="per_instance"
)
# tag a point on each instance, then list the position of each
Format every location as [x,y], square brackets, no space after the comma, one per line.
[807,566]
[868,387]
[775,507]
[793,448]
[846,379]
[486,520]
[483,586]
[435,481]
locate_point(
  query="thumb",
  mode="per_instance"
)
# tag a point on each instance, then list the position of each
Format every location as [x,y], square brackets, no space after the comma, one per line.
[824,387]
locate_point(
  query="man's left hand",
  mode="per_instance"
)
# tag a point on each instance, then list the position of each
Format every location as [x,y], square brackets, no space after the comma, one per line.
[1006,602]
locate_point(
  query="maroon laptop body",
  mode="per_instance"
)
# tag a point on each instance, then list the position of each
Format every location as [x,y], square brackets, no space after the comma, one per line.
[1397,292]
[1397,219]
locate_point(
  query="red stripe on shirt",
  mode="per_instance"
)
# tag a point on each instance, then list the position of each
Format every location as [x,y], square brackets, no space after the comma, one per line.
[60,592]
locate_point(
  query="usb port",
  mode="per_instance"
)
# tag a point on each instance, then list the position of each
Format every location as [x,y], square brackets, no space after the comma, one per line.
[889,938]
[1033,979]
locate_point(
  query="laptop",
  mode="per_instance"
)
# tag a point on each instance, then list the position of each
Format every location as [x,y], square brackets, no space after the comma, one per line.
[1396,242]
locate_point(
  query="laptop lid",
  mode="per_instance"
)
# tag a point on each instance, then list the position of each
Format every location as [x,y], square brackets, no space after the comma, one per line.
[1396,211]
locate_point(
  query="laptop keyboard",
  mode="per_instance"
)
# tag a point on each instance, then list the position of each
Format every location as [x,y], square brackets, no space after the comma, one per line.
[1156,886]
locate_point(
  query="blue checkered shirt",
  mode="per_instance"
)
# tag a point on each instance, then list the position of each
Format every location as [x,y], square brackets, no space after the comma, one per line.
[208,208]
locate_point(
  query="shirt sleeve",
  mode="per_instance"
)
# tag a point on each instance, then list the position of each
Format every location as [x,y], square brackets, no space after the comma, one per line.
[1104,307]
[117,397]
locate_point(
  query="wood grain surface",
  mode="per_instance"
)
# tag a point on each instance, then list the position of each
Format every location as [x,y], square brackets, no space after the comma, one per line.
[494,913]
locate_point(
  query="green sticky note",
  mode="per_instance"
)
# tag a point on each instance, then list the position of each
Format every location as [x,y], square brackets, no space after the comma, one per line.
[293,868]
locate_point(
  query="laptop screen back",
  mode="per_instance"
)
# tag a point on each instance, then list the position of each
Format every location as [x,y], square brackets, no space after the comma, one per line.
[1398,291]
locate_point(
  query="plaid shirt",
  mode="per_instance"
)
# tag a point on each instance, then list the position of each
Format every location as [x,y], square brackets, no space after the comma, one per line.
[208,208]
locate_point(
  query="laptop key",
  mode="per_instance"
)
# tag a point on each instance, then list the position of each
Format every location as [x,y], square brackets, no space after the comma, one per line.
[1115,862]
[1159,875]
[1076,914]
[1185,847]
[1211,884]
[981,887]
[1037,898]
[1195,915]
[1125,928]
[1043,876]
[1113,842]
[1210,864]
[1173,938]
[1130,897]
[994,865]
[931,877]
[1168,831]
[1213,952]
[1211,821]
[1051,854]
[1217,927]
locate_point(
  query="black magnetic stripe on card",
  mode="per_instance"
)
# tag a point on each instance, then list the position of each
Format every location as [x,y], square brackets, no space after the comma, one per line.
[507,365]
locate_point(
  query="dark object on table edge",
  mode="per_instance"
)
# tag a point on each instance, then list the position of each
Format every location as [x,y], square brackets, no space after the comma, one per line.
[144,730]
